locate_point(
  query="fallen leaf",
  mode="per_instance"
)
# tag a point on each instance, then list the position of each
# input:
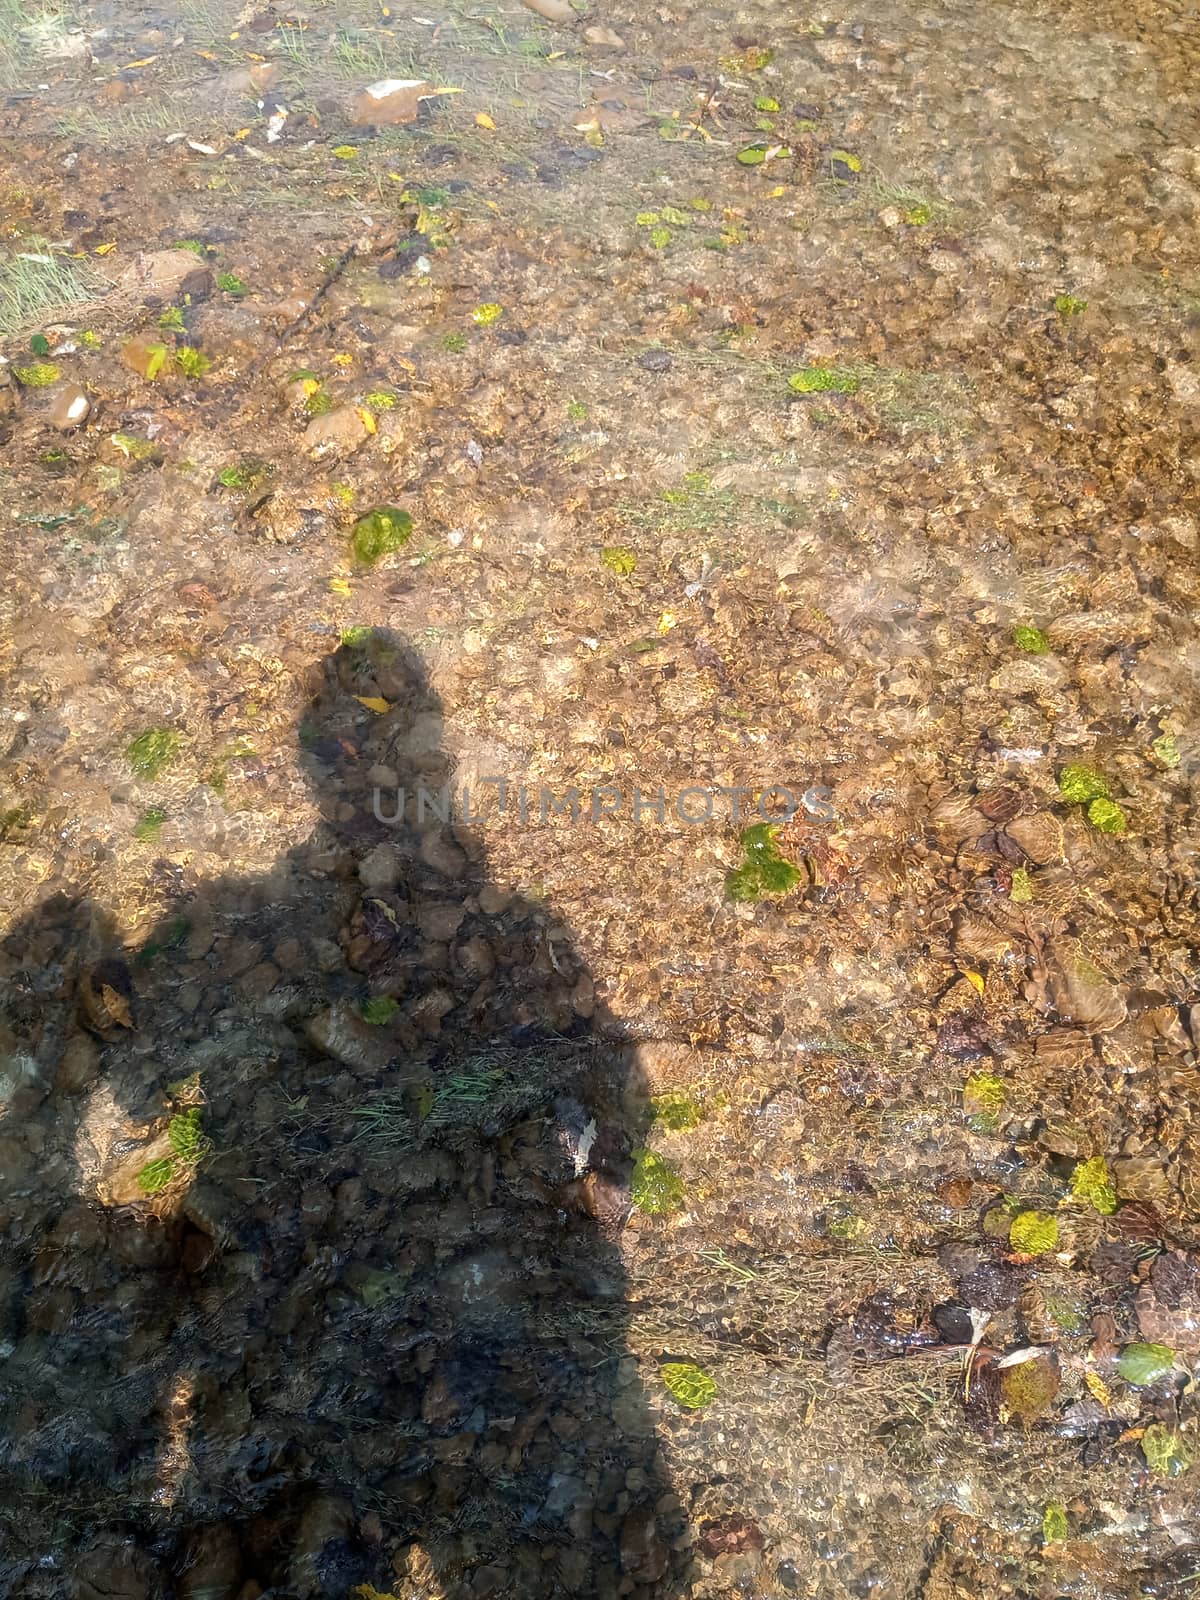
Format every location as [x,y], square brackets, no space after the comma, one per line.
[484,121]
[373,702]
[340,586]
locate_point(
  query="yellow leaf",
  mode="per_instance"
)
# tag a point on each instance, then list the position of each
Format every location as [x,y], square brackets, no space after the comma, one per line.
[207,55]
[367,418]
[774,194]
[342,359]
[484,121]
[340,586]
[1097,1388]
[242,133]
[974,978]
[373,702]
[144,62]
[666,622]
[105,249]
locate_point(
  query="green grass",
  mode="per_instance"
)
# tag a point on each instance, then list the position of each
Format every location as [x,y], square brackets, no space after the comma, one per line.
[39,290]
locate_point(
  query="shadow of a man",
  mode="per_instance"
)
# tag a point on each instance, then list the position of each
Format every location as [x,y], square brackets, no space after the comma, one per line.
[310,1276]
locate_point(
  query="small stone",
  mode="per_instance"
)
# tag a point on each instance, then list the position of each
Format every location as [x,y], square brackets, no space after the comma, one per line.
[382,868]
[443,855]
[493,899]
[440,920]
[342,1033]
[339,432]
[391,102]
[476,958]
[656,361]
[604,37]
[643,1553]
[70,408]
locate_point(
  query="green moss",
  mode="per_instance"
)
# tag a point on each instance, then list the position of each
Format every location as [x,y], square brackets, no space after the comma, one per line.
[823,380]
[1166,749]
[39,375]
[357,636]
[380,533]
[319,403]
[156,1175]
[149,824]
[764,871]
[1090,1183]
[1144,1364]
[655,1188]
[984,1092]
[618,559]
[1054,1523]
[381,400]
[249,473]
[1069,305]
[454,342]
[151,752]
[1106,816]
[845,1225]
[844,164]
[1033,1233]
[133,448]
[172,319]
[1167,1453]
[920,215]
[230,283]
[1031,639]
[677,1112]
[191,362]
[186,1136]
[689,1384]
[379,1010]
[1021,889]
[1080,784]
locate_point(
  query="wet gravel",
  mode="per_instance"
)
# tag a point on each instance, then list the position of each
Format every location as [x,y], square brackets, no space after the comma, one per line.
[801,401]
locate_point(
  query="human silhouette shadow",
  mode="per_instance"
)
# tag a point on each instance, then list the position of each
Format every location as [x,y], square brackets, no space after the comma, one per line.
[358,1319]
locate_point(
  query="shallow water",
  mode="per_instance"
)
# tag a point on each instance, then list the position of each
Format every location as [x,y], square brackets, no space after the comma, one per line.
[867,469]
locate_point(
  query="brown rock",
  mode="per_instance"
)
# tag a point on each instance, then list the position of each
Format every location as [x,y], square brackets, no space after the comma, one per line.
[643,1553]
[341,1033]
[212,1565]
[391,102]
[162,275]
[70,408]
[115,1569]
[339,432]
[476,958]
[442,854]
[552,10]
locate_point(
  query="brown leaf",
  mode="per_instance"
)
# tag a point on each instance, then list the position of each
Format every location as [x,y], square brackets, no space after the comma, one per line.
[730,1535]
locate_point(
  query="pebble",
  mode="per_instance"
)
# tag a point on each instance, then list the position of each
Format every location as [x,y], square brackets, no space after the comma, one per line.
[442,854]
[339,432]
[390,102]
[656,361]
[70,408]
